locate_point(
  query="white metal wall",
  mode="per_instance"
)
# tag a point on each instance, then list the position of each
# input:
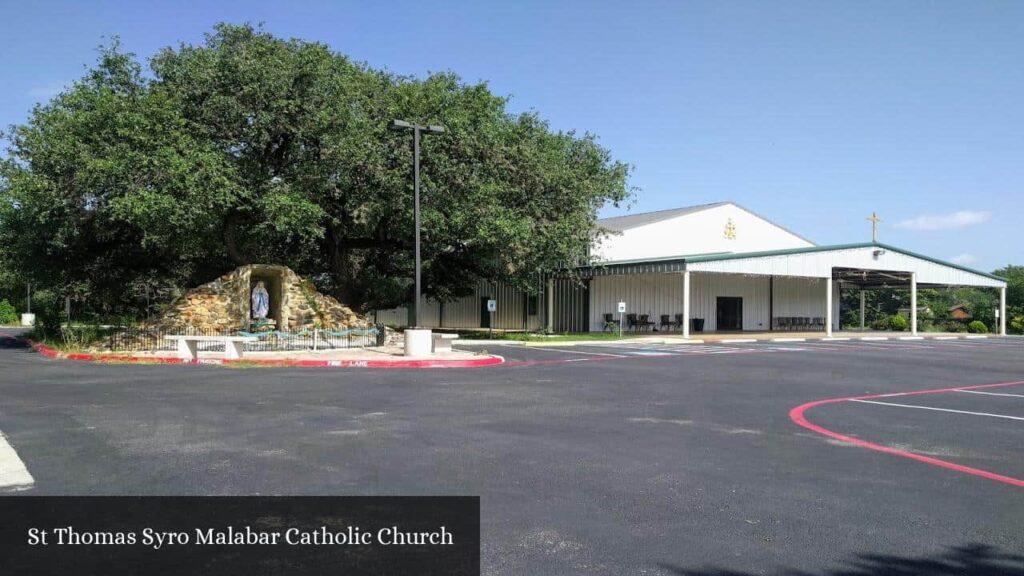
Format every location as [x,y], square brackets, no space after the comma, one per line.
[653,294]
[700,232]
[658,294]
[464,313]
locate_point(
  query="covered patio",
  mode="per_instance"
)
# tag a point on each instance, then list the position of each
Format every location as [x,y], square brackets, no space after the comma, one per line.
[781,291]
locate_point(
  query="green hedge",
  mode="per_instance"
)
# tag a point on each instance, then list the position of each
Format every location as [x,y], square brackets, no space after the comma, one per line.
[977,327]
[8,315]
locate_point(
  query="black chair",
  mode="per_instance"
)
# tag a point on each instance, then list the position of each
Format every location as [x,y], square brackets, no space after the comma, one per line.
[631,322]
[645,322]
[610,323]
[666,322]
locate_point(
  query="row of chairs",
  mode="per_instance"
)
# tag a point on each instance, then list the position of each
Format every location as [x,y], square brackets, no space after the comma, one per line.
[643,322]
[799,323]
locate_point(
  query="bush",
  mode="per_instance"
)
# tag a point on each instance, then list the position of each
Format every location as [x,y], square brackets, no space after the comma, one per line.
[898,323]
[1017,325]
[977,327]
[881,324]
[8,315]
[955,327]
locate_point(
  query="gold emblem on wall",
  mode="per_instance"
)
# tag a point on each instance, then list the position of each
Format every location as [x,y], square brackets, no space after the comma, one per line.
[730,230]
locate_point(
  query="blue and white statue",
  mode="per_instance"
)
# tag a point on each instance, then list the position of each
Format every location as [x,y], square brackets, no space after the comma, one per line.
[260,301]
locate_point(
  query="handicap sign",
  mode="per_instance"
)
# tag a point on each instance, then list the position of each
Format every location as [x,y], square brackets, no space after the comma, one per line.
[492,305]
[622,307]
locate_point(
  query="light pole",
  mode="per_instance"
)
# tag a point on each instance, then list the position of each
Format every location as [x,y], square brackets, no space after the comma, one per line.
[416,131]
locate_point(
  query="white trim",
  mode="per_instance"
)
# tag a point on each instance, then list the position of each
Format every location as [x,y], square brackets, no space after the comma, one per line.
[738,340]
[874,337]
[789,339]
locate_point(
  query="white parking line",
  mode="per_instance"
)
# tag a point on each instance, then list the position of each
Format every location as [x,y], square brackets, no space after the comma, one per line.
[13,474]
[874,338]
[990,393]
[789,339]
[940,409]
[575,351]
[738,340]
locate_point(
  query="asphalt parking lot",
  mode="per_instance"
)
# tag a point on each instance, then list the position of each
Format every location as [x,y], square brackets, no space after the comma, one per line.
[600,459]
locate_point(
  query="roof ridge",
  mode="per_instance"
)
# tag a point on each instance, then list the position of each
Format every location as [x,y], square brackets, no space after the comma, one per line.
[676,209]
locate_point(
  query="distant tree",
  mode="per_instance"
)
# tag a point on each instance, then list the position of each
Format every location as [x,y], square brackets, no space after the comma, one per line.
[252,148]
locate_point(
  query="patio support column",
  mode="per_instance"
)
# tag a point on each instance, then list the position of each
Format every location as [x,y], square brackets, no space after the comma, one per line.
[913,303]
[549,310]
[861,310]
[686,304]
[828,307]
[1002,311]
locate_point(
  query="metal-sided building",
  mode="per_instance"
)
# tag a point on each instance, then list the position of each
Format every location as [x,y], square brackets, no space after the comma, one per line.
[716,265]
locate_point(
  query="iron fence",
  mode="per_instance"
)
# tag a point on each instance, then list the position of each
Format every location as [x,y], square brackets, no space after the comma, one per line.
[133,339]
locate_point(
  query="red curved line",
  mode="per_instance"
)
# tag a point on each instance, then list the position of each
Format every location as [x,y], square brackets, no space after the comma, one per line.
[797,416]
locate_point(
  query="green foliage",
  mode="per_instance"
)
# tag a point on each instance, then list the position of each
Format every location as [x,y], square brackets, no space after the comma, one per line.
[977,327]
[1016,326]
[880,324]
[8,315]
[955,327]
[250,148]
[897,323]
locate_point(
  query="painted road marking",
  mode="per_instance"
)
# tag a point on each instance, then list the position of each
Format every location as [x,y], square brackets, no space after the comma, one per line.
[945,338]
[874,337]
[738,340]
[577,352]
[789,339]
[940,409]
[911,337]
[990,393]
[13,474]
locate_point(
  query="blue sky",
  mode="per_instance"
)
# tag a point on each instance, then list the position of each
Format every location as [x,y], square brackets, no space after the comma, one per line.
[813,114]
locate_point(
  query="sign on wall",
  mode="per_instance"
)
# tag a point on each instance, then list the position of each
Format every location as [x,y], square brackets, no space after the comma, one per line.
[622,307]
[492,305]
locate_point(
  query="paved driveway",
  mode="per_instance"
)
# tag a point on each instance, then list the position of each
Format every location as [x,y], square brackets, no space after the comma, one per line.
[594,460]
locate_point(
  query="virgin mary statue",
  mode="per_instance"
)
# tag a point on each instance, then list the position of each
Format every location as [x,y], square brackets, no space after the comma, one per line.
[260,301]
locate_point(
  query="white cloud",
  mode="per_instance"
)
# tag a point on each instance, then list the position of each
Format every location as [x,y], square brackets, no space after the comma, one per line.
[964,259]
[930,222]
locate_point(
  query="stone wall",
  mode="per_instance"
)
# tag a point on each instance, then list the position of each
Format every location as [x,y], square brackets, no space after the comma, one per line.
[224,304]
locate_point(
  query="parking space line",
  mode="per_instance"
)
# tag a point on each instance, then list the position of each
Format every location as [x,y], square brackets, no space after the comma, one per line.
[939,409]
[13,474]
[578,352]
[798,415]
[990,393]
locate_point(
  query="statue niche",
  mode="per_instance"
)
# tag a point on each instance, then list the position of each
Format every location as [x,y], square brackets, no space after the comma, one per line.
[265,296]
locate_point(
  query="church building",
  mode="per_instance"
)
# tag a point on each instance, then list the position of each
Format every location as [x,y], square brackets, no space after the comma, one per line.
[713,268]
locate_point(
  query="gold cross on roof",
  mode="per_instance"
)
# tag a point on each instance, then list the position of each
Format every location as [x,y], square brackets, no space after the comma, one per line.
[874,219]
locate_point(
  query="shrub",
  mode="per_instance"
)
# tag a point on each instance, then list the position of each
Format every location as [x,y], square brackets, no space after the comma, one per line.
[977,327]
[1017,325]
[898,323]
[880,324]
[8,315]
[955,327]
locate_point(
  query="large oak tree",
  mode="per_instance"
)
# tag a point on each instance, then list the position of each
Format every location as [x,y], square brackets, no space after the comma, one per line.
[251,148]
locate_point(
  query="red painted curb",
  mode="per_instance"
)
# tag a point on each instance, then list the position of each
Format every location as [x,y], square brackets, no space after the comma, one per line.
[797,416]
[268,362]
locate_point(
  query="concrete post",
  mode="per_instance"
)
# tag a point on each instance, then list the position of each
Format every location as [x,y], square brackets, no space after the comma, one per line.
[1002,311]
[913,303]
[828,307]
[686,304]
[861,310]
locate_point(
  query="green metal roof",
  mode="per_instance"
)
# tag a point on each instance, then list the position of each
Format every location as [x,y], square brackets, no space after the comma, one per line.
[719,256]
[810,249]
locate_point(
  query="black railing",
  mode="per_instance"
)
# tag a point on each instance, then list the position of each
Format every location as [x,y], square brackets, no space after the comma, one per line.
[145,339]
